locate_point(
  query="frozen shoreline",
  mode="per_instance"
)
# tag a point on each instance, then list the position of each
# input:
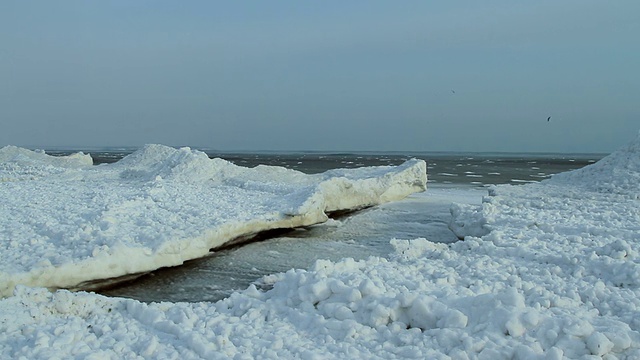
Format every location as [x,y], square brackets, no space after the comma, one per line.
[546,271]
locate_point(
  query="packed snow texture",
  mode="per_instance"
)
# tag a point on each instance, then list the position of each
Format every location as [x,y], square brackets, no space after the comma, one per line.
[545,271]
[64,222]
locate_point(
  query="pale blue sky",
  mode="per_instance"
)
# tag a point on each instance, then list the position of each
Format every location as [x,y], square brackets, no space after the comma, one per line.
[323,75]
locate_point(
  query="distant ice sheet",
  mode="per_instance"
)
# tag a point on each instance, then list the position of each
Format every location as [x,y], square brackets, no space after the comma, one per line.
[65,222]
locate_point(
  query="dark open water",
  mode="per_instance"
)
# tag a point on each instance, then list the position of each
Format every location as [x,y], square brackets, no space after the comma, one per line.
[442,167]
[360,235]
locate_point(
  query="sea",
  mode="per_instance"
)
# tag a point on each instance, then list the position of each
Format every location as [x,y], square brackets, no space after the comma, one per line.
[357,235]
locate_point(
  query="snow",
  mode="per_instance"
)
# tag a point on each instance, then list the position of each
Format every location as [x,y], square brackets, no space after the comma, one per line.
[546,270]
[65,222]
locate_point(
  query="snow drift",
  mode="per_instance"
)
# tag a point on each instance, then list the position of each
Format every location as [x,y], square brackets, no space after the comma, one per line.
[569,245]
[65,222]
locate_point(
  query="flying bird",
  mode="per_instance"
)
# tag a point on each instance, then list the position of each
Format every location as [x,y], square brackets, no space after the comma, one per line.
[549,118]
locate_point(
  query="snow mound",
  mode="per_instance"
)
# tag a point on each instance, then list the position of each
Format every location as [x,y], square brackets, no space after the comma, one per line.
[569,245]
[71,223]
[25,157]
[614,178]
[618,173]
[22,164]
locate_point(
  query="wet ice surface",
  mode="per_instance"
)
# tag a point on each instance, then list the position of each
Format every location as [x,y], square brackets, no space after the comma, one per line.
[359,235]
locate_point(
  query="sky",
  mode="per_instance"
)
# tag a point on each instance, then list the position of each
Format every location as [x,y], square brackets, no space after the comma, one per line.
[321,76]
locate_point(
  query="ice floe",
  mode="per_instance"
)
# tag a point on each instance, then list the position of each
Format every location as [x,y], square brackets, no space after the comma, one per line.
[65,222]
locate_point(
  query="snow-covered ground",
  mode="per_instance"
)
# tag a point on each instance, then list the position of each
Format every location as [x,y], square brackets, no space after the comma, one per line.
[546,271]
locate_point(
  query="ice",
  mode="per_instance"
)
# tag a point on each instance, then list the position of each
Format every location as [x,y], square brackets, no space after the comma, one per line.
[65,222]
[552,274]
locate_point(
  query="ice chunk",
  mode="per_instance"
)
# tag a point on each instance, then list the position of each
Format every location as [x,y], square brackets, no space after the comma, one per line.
[69,223]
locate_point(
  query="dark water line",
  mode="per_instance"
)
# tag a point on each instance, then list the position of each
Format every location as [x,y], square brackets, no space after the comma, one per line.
[478,169]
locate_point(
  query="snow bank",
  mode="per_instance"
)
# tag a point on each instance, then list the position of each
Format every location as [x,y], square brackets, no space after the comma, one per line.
[22,164]
[618,173]
[569,246]
[65,222]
